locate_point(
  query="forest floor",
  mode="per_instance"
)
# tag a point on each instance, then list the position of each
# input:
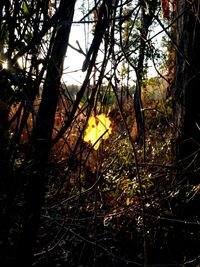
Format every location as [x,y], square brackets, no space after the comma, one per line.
[95,214]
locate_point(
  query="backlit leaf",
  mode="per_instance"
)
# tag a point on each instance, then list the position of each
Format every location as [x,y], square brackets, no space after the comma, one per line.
[98,127]
[25,8]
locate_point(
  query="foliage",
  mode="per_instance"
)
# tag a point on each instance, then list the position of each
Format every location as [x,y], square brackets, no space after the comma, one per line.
[104,196]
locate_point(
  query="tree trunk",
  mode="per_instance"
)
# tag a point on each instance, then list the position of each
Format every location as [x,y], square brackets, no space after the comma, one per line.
[187,93]
[41,138]
[146,21]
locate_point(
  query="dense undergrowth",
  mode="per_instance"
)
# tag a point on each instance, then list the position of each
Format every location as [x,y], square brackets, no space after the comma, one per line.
[120,205]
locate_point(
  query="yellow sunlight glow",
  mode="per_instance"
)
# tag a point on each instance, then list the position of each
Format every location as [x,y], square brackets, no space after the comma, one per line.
[98,127]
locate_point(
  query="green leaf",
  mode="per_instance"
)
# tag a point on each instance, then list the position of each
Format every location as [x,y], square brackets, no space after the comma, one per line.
[25,8]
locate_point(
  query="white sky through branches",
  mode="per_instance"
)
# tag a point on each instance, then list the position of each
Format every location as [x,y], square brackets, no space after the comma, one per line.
[74,60]
[81,32]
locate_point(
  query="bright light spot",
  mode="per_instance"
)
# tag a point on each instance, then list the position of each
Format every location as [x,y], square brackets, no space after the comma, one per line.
[98,127]
[5,64]
[20,62]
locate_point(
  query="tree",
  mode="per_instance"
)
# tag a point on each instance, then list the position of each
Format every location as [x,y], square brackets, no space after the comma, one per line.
[35,17]
[148,9]
[186,96]
[186,91]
